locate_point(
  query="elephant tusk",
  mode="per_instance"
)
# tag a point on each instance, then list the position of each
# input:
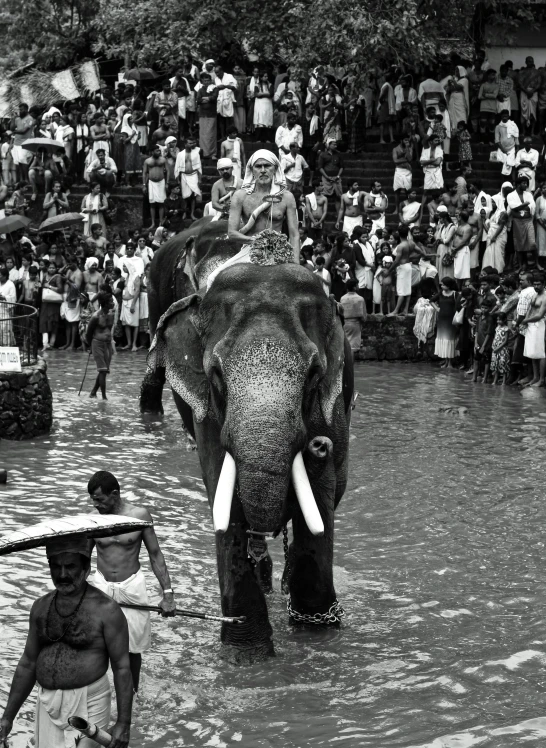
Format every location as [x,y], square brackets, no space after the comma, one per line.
[304,494]
[221,510]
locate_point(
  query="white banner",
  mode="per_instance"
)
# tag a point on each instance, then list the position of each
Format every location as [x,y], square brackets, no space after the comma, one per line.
[10,359]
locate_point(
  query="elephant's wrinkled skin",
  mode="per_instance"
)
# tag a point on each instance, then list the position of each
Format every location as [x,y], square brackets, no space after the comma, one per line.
[260,368]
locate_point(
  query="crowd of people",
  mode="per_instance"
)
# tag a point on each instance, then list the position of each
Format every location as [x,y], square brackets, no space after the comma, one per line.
[376,258]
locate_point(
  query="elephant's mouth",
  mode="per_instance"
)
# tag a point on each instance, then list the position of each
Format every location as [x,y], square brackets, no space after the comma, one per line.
[225,489]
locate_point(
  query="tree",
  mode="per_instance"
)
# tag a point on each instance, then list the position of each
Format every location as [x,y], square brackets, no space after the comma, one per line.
[55,33]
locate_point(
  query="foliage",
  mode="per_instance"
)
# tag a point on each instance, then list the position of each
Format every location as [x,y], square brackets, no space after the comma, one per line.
[368,35]
[55,33]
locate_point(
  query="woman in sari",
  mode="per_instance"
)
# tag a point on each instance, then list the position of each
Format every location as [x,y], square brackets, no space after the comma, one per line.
[263,108]
[444,235]
[94,205]
[331,107]
[132,161]
[410,209]
[458,96]
[355,112]
[496,238]
[252,89]
[50,310]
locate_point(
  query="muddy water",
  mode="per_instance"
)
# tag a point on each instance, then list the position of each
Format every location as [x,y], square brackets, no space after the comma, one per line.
[439,563]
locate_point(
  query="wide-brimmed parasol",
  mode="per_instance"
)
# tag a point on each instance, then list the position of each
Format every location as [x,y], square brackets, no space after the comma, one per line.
[140,74]
[32,144]
[88,525]
[62,221]
[13,223]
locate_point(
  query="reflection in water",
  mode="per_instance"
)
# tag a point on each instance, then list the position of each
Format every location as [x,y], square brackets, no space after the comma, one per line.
[438,563]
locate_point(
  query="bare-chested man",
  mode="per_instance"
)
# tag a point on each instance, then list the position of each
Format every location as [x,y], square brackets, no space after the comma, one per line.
[223,189]
[100,134]
[402,265]
[99,338]
[450,199]
[350,210]
[461,250]
[534,336]
[154,180]
[263,203]
[74,633]
[316,208]
[118,568]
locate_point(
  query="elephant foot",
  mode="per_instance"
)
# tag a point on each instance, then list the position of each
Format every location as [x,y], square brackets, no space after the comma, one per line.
[332,617]
[247,655]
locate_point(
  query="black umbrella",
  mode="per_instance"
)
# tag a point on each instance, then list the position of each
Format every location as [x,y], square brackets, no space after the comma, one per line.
[141,74]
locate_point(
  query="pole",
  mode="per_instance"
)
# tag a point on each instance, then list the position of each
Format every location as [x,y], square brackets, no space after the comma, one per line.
[186,613]
[90,730]
[85,373]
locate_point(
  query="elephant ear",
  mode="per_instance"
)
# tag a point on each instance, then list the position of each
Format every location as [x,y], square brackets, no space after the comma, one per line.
[177,347]
[331,385]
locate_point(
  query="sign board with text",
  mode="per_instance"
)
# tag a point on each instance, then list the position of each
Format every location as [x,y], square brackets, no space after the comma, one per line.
[10,360]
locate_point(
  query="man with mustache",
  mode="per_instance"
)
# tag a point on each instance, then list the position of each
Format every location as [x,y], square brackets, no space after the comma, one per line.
[75,632]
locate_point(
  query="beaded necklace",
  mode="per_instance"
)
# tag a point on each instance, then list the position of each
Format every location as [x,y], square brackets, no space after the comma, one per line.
[71,616]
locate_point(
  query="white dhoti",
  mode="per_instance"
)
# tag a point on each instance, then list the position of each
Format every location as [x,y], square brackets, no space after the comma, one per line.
[378,223]
[72,313]
[461,264]
[402,179]
[237,169]
[157,192]
[127,317]
[54,707]
[104,144]
[349,223]
[534,340]
[20,155]
[131,590]
[528,107]
[434,179]
[403,279]
[508,160]
[190,184]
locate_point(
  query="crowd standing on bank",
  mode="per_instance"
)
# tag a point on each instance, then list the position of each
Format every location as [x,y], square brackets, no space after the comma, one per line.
[425,254]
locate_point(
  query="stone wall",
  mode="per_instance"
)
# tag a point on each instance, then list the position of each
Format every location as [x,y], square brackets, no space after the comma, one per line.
[26,407]
[389,339]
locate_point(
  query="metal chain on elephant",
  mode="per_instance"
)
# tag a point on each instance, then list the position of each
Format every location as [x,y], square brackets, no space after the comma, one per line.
[334,614]
[285,549]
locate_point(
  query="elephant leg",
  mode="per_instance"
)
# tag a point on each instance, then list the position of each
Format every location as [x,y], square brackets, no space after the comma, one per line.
[310,559]
[242,594]
[151,391]
[264,573]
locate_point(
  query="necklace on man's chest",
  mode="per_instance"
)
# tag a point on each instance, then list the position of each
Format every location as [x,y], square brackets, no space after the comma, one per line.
[70,616]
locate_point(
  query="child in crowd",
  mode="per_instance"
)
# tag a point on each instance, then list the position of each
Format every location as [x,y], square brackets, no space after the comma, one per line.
[465,149]
[386,286]
[500,354]
[323,274]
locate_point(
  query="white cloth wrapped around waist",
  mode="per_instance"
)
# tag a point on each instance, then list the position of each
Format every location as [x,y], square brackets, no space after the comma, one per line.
[131,590]
[55,706]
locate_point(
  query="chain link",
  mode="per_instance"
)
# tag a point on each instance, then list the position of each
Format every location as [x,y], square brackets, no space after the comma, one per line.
[334,614]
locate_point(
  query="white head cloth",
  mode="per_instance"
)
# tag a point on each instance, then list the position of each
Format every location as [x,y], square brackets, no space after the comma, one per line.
[224,163]
[249,182]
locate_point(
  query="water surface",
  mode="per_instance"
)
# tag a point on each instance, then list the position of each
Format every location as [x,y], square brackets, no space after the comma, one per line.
[439,563]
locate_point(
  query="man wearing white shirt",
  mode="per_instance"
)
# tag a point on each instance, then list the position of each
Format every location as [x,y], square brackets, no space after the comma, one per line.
[103,170]
[527,161]
[227,88]
[293,165]
[287,134]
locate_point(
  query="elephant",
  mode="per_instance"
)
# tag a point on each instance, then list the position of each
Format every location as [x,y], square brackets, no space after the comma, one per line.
[262,375]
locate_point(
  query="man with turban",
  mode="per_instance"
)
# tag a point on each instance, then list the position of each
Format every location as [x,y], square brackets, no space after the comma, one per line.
[223,189]
[263,202]
[75,632]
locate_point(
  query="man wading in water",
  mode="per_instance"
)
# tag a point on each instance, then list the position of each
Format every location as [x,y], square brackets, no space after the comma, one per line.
[263,203]
[99,338]
[74,633]
[118,572]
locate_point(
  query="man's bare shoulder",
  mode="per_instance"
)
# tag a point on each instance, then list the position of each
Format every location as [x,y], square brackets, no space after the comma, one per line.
[239,196]
[133,510]
[289,200]
[41,605]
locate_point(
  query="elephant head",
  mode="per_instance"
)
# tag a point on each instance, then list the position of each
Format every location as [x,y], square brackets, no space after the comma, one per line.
[262,355]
